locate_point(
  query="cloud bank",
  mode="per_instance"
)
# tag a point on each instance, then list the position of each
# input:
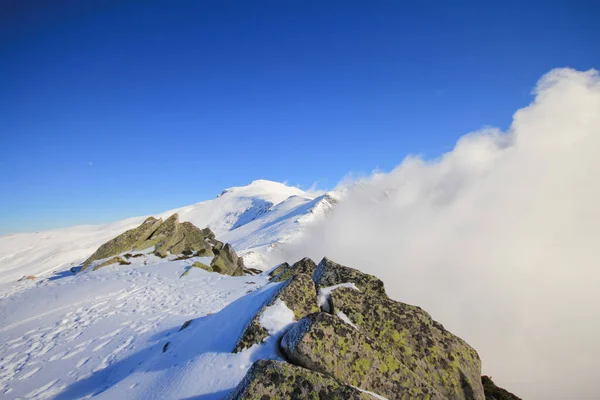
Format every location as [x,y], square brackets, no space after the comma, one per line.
[498,239]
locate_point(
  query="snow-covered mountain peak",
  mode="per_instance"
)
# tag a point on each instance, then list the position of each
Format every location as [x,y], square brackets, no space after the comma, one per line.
[273,191]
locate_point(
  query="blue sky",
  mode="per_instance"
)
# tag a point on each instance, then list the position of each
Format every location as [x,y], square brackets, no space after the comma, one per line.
[115,109]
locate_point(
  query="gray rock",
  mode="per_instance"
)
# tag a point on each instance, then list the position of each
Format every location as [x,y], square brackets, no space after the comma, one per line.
[440,358]
[277,270]
[298,294]
[125,241]
[270,379]
[330,273]
[304,266]
[326,344]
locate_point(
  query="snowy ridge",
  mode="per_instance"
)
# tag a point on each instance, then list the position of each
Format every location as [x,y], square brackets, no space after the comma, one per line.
[253,218]
[102,334]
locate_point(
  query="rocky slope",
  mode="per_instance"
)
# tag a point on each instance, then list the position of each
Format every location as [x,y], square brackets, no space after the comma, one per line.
[345,339]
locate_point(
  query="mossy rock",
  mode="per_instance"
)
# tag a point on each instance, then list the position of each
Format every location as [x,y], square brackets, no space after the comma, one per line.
[279,269]
[437,356]
[270,379]
[304,266]
[330,273]
[207,252]
[298,294]
[125,241]
[113,260]
[324,343]
[227,262]
[493,392]
[197,264]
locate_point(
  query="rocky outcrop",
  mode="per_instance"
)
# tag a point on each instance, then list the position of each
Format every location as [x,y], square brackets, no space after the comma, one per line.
[493,392]
[126,241]
[330,273]
[362,339]
[298,294]
[304,266]
[324,343]
[175,237]
[269,379]
[182,239]
[440,358]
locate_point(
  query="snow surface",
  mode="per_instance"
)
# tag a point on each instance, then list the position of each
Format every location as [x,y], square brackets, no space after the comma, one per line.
[276,318]
[102,333]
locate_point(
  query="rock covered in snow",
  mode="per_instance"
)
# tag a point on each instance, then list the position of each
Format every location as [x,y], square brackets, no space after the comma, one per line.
[304,266]
[269,379]
[297,293]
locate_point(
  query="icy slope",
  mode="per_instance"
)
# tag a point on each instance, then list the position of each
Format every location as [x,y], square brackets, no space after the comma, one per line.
[253,218]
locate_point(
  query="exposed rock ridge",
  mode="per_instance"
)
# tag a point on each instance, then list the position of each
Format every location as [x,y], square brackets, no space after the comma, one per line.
[171,237]
[359,338]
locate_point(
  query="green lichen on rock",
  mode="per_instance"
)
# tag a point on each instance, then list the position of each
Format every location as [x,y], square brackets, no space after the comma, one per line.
[440,358]
[324,343]
[304,266]
[493,392]
[279,269]
[270,379]
[125,241]
[197,264]
[113,260]
[330,273]
[298,294]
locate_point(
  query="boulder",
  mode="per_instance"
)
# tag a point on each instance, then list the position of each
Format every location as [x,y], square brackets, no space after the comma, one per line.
[208,233]
[113,260]
[324,343]
[227,262]
[440,358]
[193,240]
[165,237]
[298,294]
[493,392]
[270,379]
[330,273]
[125,241]
[304,266]
[277,270]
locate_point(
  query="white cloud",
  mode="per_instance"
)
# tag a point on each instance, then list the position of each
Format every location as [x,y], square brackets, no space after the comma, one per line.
[497,239]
